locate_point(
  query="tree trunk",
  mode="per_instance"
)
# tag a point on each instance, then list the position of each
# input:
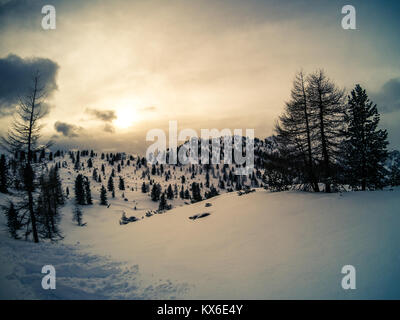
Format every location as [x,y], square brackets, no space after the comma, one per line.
[324,147]
[33,218]
[313,179]
[30,196]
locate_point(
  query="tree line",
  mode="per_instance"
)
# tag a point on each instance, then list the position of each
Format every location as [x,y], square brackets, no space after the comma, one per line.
[327,138]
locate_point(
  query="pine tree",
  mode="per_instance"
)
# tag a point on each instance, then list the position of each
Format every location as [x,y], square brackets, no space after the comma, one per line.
[49,200]
[79,190]
[196,196]
[13,224]
[394,177]
[144,187]
[3,174]
[155,192]
[170,193]
[365,145]
[175,191]
[77,215]
[207,184]
[121,184]
[77,165]
[110,184]
[56,185]
[95,175]
[187,194]
[103,196]
[88,193]
[163,202]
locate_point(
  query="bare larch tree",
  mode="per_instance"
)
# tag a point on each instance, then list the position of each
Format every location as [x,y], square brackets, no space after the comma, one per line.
[22,138]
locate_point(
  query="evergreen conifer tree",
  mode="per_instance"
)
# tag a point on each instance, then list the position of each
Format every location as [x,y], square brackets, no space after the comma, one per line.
[77,215]
[88,193]
[155,192]
[110,184]
[103,196]
[170,193]
[13,224]
[365,144]
[121,184]
[163,202]
[79,190]
[3,174]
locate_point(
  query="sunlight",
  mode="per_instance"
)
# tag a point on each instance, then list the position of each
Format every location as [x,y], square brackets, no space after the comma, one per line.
[125,117]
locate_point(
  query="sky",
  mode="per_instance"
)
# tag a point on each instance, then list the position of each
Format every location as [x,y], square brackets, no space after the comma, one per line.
[117,69]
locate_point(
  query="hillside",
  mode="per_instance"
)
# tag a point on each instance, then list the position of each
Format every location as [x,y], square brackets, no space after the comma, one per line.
[260,245]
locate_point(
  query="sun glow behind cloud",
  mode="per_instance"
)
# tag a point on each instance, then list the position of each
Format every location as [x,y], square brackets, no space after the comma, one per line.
[126,116]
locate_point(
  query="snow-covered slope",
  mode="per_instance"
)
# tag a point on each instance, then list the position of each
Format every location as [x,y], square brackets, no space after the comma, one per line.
[260,245]
[255,246]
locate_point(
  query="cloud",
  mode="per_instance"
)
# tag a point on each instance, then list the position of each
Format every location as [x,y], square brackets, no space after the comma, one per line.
[16,78]
[67,130]
[388,98]
[27,14]
[19,11]
[109,128]
[103,115]
[107,116]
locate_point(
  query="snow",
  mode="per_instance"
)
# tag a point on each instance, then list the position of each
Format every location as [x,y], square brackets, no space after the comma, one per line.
[261,245]
[79,274]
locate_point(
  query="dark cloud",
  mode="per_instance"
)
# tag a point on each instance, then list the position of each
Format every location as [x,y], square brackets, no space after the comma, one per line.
[103,115]
[23,12]
[28,13]
[388,98]
[107,116]
[67,130]
[16,78]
